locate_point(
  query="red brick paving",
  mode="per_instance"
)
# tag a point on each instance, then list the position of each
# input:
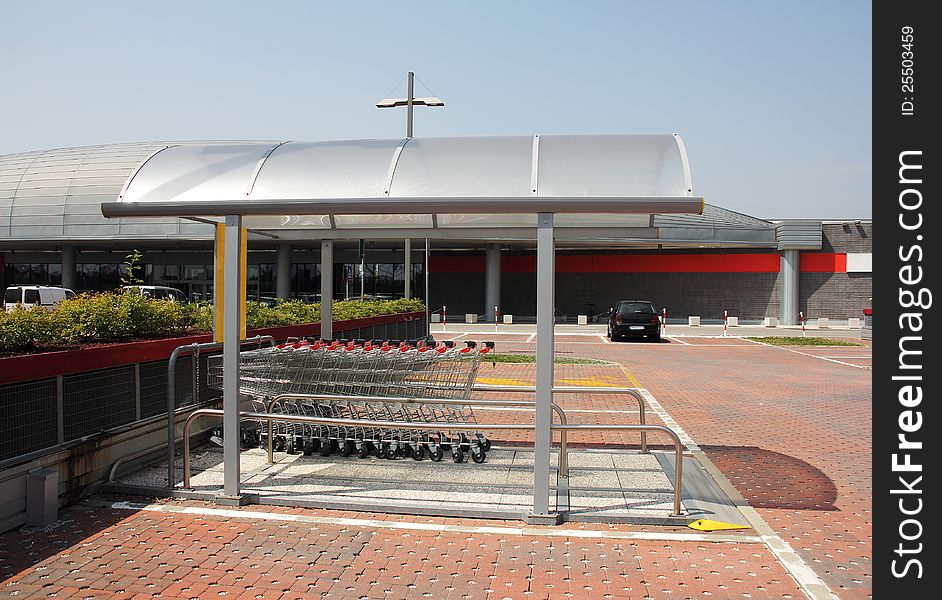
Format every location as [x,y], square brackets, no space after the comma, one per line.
[791,432]
[99,552]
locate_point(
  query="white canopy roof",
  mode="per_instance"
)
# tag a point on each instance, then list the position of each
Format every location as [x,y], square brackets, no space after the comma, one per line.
[415,184]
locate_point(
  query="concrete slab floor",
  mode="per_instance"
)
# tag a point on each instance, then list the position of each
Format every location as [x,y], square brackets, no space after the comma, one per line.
[601,484]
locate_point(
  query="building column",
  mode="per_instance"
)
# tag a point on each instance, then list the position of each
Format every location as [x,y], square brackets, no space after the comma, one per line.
[327,289]
[788,275]
[69,267]
[283,276]
[491,281]
[407,276]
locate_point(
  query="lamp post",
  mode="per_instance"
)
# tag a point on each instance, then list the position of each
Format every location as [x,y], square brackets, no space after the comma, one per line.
[409,102]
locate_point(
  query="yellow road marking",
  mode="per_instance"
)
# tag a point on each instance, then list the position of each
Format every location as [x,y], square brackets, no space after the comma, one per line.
[591,382]
[501,381]
[630,377]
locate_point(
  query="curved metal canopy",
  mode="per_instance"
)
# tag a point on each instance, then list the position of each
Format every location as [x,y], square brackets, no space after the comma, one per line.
[417,183]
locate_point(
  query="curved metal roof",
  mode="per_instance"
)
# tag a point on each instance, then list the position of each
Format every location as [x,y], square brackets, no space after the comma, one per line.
[436,182]
[56,195]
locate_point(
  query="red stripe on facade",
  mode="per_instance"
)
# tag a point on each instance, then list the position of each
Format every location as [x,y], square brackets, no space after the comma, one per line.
[651,263]
[766,262]
[822,263]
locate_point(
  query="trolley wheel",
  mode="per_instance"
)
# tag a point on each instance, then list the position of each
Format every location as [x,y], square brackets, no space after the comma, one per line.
[382,451]
[478,457]
[315,445]
[325,448]
[437,454]
[457,455]
[419,452]
[347,449]
[364,450]
[308,448]
[393,453]
[334,446]
[279,444]
[486,445]
[406,450]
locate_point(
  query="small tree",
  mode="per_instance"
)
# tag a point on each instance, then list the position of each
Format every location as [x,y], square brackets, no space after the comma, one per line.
[132,268]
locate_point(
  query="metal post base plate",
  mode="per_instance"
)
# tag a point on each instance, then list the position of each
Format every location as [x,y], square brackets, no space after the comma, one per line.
[240,500]
[550,519]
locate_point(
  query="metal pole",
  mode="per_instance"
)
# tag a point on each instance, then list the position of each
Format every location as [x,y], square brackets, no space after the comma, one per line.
[409,106]
[545,285]
[407,276]
[327,289]
[232,327]
[428,318]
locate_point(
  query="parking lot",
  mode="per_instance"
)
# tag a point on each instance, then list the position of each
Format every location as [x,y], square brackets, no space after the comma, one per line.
[785,429]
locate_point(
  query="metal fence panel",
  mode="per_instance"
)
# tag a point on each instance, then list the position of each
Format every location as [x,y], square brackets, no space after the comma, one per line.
[28,418]
[97,400]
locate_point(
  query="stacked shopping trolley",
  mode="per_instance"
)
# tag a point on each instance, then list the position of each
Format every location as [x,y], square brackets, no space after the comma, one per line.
[360,380]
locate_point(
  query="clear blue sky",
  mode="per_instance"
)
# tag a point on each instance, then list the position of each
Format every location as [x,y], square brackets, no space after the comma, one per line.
[773,99]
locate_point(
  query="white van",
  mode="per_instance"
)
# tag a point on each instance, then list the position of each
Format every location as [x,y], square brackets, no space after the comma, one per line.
[34,295]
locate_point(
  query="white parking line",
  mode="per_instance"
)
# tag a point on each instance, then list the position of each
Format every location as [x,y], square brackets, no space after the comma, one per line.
[558,532]
[679,340]
[840,362]
[604,339]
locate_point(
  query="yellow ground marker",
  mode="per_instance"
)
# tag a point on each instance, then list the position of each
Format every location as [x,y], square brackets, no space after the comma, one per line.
[501,381]
[708,525]
[630,377]
[591,382]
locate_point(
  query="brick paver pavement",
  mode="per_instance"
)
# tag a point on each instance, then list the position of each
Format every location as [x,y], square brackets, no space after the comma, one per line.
[100,552]
[790,431]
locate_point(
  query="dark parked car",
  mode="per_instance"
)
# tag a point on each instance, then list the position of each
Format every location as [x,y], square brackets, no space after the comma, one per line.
[634,318]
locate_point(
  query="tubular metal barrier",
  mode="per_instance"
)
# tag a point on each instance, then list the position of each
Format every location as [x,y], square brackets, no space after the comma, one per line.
[195,349]
[678,445]
[574,389]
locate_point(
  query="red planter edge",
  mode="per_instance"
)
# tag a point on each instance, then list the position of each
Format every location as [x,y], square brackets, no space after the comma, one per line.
[29,367]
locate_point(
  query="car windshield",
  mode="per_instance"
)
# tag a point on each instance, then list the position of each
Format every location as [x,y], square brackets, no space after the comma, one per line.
[633,308]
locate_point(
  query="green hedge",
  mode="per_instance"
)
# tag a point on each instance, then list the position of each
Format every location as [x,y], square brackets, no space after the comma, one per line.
[115,316]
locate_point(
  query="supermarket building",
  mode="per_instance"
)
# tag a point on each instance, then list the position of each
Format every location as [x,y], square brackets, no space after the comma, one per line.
[52,232]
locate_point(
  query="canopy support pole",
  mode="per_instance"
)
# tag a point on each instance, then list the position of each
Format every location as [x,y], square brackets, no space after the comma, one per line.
[327,289]
[232,328]
[545,286]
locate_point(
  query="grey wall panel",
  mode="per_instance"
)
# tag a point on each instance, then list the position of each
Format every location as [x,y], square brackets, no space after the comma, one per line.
[834,295]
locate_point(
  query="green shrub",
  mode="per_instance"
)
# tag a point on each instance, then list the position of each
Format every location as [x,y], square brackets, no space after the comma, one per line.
[23,328]
[113,316]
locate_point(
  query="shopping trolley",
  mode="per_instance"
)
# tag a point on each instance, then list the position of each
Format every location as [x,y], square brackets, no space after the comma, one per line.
[352,380]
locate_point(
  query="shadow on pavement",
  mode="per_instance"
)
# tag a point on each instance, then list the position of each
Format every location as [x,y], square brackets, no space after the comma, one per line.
[769,479]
